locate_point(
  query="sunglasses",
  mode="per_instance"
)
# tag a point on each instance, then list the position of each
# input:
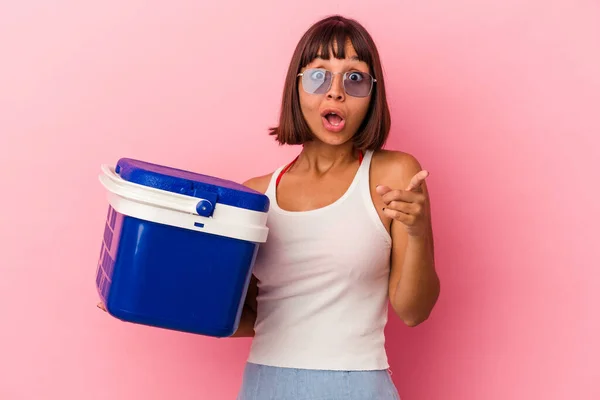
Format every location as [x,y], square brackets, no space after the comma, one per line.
[318,81]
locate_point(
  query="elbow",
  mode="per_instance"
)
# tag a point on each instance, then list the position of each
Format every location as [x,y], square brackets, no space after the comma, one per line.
[411,319]
[413,316]
[413,322]
[417,312]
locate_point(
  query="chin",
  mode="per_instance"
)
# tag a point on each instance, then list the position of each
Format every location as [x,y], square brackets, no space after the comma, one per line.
[333,139]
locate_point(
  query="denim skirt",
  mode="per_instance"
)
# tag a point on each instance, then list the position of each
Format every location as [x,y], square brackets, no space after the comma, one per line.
[262,382]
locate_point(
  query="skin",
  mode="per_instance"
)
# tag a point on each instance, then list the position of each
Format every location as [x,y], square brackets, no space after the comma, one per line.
[325,169]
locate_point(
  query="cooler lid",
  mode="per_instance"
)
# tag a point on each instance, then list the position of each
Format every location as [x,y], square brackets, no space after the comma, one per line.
[191,184]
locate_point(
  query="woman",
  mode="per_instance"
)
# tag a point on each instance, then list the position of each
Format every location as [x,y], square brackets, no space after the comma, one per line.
[350,230]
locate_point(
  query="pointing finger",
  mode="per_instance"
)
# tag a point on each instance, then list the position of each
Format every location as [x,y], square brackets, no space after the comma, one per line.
[417,180]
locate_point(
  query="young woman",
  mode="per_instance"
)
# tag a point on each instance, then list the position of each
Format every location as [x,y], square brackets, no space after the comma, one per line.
[350,232]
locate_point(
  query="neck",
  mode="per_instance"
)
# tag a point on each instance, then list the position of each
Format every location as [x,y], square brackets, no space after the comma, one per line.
[322,157]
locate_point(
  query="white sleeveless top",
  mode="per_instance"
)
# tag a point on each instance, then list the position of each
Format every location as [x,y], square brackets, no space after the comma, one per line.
[323,284]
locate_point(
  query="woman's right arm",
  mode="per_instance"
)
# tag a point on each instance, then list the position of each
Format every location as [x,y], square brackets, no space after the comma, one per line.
[248,318]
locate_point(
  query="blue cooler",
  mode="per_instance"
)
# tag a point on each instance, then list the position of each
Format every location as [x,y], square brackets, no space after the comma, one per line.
[178,248]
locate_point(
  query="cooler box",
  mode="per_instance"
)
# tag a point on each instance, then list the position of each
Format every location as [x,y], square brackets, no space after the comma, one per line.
[178,248]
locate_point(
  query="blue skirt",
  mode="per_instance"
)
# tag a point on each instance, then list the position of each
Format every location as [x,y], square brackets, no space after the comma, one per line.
[262,382]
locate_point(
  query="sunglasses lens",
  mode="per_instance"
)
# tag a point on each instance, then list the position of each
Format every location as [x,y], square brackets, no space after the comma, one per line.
[358,84]
[316,81]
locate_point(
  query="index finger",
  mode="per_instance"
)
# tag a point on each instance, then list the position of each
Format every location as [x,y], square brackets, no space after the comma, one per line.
[417,180]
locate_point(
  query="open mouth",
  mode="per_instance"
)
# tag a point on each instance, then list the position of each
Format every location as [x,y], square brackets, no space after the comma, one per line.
[333,120]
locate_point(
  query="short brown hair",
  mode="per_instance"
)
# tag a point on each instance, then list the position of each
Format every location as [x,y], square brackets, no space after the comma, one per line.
[293,129]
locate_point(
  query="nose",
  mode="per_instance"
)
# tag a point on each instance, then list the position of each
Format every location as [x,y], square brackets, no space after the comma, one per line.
[336,91]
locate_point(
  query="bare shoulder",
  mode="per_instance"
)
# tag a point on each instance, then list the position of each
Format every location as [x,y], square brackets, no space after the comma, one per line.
[259,183]
[394,168]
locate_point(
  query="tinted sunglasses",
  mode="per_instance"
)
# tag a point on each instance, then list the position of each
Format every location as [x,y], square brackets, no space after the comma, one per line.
[318,81]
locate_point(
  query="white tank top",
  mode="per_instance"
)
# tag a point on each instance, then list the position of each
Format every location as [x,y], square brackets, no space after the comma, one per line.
[323,284]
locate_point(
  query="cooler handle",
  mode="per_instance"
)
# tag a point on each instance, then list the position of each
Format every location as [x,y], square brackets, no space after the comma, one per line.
[157,197]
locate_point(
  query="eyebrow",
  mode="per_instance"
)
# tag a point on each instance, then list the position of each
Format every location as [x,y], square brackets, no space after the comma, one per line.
[353,58]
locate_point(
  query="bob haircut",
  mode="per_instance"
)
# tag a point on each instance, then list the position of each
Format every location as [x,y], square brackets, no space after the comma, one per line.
[318,40]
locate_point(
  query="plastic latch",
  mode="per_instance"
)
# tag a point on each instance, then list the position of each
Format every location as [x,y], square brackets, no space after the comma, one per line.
[206,206]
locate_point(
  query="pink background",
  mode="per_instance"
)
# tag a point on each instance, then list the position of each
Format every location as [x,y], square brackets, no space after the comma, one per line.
[500,100]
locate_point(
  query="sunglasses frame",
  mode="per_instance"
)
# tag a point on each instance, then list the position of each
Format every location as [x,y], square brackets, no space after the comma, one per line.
[373,80]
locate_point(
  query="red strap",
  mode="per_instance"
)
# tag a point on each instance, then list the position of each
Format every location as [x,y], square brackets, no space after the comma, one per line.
[284,170]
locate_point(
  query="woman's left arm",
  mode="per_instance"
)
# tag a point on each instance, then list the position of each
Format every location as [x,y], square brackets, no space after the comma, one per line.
[414,285]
